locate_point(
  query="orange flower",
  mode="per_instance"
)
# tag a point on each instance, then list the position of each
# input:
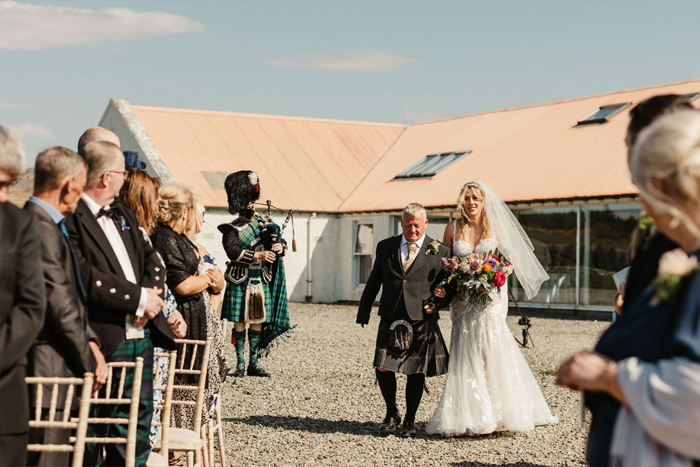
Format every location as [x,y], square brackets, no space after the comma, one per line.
[487,267]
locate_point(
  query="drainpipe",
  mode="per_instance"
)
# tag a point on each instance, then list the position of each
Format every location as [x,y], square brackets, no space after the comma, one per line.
[308,297]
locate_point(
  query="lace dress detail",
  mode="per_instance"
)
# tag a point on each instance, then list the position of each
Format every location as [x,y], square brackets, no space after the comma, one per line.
[489,384]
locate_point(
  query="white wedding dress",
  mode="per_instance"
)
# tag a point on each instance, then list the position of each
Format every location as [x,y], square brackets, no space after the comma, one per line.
[489,385]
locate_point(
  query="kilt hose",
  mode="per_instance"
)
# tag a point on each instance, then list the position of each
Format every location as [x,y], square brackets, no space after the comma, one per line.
[127,351]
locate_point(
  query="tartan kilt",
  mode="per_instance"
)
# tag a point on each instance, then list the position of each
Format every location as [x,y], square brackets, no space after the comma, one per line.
[233,307]
[427,353]
[127,351]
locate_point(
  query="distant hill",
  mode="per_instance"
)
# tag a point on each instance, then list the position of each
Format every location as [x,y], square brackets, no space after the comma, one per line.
[21,191]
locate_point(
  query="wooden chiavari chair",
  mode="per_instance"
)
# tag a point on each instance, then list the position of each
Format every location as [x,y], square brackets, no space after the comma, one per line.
[118,399]
[180,439]
[76,443]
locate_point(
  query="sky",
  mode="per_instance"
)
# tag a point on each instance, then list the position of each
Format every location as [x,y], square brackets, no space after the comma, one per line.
[379,61]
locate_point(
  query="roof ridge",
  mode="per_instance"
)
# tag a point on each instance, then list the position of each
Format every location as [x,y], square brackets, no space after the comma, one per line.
[264,116]
[563,101]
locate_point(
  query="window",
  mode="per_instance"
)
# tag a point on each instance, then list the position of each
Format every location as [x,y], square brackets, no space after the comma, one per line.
[692,96]
[552,232]
[430,165]
[605,241]
[364,238]
[215,179]
[604,114]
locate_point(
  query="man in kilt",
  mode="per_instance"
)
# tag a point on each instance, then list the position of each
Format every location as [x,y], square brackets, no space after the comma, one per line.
[256,293]
[407,268]
[123,279]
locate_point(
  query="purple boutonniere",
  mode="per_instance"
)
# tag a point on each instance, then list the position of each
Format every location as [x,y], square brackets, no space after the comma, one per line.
[121,223]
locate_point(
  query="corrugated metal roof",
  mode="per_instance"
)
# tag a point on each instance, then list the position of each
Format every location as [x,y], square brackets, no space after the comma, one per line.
[304,163]
[527,153]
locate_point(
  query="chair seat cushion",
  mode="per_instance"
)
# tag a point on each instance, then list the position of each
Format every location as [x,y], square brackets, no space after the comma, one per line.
[156,460]
[180,439]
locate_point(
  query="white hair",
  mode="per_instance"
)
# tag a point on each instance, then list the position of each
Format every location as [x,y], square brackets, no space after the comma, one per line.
[12,155]
[414,210]
[669,150]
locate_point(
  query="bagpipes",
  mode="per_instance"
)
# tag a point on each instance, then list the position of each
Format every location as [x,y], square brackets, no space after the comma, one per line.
[272,233]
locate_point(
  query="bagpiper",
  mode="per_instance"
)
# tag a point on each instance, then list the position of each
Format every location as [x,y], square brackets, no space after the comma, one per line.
[256,291]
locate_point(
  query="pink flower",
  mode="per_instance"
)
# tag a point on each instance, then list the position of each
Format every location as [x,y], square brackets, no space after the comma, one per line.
[677,262]
[474,265]
[499,279]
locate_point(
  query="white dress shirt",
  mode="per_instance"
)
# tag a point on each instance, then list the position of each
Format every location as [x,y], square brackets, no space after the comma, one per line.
[115,240]
[404,247]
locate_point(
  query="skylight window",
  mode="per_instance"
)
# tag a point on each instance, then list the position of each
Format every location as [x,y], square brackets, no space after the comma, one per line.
[430,165]
[692,96]
[604,114]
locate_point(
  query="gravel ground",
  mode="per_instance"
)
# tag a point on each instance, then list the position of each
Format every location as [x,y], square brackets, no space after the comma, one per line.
[321,407]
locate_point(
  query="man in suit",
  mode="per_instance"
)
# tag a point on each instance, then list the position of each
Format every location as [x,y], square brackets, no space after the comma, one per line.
[97,133]
[66,346]
[647,245]
[407,267]
[123,279]
[22,301]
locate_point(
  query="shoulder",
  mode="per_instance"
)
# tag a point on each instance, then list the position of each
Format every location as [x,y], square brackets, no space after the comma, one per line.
[14,214]
[389,242]
[124,210]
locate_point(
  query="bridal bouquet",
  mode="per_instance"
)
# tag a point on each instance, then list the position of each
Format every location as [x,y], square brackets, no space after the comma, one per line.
[476,275]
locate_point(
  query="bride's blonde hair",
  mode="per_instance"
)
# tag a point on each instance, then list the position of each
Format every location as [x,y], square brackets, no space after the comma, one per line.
[484,220]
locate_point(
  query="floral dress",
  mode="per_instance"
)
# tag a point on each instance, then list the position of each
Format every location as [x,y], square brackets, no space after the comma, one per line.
[160,365]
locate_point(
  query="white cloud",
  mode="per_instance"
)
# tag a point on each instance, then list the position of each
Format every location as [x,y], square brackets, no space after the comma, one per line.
[369,61]
[32,130]
[34,27]
[9,105]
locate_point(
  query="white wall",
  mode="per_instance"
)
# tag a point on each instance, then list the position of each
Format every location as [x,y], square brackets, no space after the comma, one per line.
[324,274]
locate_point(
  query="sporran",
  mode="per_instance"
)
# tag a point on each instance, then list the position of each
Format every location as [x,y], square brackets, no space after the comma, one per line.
[400,336]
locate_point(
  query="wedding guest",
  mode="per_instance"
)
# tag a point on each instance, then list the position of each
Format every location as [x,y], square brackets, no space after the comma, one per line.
[22,303]
[643,380]
[218,364]
[140,194]
[97,133]
[647,244]
[123,279]
[182,261]
[63,348]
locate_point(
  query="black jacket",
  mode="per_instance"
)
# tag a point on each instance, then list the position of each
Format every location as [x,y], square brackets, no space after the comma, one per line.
[110,296]
[22,302]
[416,286]
[61,349]
[645,268]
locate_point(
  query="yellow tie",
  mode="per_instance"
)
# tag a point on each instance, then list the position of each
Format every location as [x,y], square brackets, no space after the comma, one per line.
[412,247]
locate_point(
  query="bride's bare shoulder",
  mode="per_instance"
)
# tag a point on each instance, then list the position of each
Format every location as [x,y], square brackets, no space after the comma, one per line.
[449,234]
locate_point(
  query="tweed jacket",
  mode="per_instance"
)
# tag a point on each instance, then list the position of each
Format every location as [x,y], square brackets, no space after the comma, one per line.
[415,286]
[61,349]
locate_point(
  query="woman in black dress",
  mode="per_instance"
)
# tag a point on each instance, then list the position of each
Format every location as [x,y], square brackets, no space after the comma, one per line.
[181,257]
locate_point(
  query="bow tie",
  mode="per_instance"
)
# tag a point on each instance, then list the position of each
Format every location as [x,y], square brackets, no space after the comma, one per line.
[107,212]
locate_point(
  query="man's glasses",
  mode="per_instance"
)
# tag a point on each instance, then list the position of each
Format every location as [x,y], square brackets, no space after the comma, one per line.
[123,172]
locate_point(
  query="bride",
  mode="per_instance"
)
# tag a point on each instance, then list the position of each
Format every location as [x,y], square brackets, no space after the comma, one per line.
[489,384]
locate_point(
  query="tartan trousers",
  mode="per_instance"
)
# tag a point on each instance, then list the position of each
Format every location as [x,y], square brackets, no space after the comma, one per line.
[127,351]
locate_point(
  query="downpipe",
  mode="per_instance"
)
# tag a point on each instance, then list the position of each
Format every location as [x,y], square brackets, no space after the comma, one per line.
[309,297]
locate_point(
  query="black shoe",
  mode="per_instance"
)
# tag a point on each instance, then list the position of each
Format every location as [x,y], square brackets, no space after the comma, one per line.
[257,371]
[408,430]
[240,372]
[389,425]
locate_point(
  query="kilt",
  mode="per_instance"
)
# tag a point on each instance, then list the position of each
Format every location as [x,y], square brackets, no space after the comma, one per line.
[427,353]
[127,351]
[233,307]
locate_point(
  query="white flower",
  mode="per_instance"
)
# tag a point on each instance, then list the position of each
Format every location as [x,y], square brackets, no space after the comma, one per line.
[677,262]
